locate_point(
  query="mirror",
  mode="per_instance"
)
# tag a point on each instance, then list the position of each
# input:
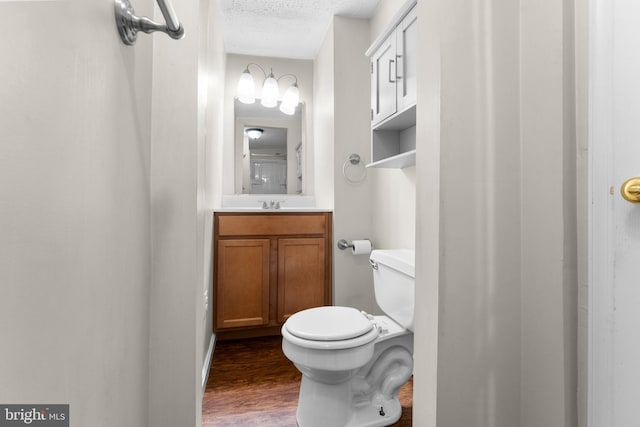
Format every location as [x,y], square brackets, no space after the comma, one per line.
[265,166]
[269,161]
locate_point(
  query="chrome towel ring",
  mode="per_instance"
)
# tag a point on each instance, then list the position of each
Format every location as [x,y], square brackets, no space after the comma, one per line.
[354,160]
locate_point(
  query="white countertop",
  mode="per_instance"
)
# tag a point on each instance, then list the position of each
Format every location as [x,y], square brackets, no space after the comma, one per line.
[244,203]
[281,210]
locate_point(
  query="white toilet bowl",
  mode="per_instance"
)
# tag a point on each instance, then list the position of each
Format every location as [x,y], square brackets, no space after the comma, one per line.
[353,363]
[349,380]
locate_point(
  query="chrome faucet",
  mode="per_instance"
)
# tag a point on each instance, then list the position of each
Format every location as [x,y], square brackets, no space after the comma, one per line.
[273,204]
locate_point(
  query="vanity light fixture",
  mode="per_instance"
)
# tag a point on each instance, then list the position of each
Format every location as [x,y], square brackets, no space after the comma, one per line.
[254,133]
[246,88]
[290,99]
[270,91]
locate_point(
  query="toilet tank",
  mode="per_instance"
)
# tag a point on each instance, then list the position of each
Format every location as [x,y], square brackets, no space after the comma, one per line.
[394,283]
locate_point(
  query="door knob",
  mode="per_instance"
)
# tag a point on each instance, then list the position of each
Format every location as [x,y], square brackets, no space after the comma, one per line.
[630,190]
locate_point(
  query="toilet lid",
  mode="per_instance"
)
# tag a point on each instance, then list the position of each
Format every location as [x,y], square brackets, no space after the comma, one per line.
[332,323]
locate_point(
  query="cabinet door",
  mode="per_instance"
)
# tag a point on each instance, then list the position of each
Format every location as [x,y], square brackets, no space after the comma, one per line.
[383,80]
[302,275]
[242,288]
[407,47]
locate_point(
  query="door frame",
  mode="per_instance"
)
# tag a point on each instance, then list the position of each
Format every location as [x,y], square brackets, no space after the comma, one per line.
[600,229]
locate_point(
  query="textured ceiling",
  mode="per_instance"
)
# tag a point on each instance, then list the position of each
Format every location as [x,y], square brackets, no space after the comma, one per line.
[284,28]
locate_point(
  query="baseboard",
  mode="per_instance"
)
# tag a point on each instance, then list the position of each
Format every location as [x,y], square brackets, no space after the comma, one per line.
[207,362]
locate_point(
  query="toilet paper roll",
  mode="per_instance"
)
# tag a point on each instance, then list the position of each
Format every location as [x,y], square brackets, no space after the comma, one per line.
[361,247]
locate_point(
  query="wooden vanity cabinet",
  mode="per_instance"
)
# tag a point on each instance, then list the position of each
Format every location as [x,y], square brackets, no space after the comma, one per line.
[267,267]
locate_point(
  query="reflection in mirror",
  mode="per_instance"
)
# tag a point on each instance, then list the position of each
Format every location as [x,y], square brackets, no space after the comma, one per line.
[268,150]
[266,172]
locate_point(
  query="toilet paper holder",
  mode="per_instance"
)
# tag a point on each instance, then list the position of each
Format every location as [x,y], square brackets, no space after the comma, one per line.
[343,244]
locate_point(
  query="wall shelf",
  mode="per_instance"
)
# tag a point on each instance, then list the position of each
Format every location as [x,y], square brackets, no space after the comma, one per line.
[394,137]
[398,161]
[399,121]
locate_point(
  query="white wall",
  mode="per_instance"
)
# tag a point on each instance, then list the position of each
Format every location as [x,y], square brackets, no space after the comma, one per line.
[353,281]
[303,69]
[324,121]
[342,127]
[382,16]
[495,123]
[75,112]
[428,194]
[182,188]
[479,352]
[393,206]
[549,271]
[211,110]
[581,34]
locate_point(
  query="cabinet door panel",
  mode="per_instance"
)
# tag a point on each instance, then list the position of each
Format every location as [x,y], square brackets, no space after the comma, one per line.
[302,278]
[242,290]
[383,80]
[407,39]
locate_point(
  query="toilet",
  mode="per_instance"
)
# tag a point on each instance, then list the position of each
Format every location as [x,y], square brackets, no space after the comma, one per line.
[354,363]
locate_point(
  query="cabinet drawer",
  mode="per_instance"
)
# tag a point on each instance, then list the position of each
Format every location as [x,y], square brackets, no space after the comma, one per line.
[272,225]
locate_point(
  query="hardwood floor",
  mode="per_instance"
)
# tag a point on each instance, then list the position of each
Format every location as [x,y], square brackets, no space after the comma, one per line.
[252,383]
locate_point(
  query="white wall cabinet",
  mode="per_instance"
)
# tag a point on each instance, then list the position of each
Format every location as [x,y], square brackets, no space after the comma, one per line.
[383,81]
[393,92]
[406,62]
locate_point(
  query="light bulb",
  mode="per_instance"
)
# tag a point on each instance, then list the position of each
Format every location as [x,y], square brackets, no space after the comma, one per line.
[246,88]
[290,100]
[270,92]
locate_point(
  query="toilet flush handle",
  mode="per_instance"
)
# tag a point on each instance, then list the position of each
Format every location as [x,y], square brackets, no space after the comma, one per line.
[374,264]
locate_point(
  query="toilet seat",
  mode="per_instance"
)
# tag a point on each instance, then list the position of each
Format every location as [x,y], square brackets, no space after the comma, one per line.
[329,327]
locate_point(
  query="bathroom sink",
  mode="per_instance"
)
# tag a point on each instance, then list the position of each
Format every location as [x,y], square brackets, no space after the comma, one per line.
[261,210]
[256,203]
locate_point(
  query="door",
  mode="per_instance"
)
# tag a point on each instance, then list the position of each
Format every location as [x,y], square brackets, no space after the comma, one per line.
[302,275]
[242,288]
[383,80]
[614,223]
[407,42]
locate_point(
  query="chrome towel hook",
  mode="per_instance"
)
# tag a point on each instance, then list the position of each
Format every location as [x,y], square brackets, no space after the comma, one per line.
[129,24]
